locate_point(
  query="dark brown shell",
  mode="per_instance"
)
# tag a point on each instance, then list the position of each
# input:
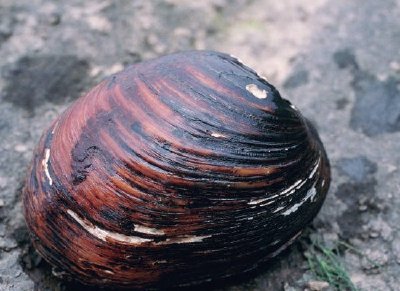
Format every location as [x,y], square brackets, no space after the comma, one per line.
[177,171]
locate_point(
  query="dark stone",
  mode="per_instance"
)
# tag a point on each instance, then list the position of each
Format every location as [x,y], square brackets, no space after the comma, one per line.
[132,57]
[345,59]
[350,193]
[377,107]
[54,19]
[30,259]
[352,219]
[342,103]
[296,79]
[360,191]
[4,126]
[7,23]
[350,223]
[21,235]
[34,80]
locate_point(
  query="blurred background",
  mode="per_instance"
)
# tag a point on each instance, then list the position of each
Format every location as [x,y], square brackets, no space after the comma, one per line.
[337,61]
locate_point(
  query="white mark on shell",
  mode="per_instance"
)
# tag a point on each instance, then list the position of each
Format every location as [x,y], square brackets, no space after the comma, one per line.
[104,235]
[257,92]
[278,209]
[109,272]
[45,165]
[239,60]
[285,245]
[298,184]
[55,127]
[217,134]
[263,77]
[275,242]
[288,191]
[183,240]
[267,203]
[295,186]
[148,230]
[314,170]
[257,201]
[310,195]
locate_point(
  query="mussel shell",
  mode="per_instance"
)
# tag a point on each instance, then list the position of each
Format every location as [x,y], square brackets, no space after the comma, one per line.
[175,171]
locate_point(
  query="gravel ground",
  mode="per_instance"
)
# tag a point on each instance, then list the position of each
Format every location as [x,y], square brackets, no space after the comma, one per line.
[337,61]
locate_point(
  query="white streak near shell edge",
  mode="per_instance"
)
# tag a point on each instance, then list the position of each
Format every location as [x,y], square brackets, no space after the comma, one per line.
[294,186]
[263,77]
[310,195]
[278,209]
[105,234]
[288,191]
[134,240]
[299,183]
[267,203]
[55,127]
[257,201]
[236,58]
[45,165]
[284,246]
[314,169]
[257,92]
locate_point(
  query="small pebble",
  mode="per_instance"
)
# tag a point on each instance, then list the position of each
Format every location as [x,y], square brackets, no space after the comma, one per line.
[54,19]
[3,182]
[374,259]
[99,23]
[373,234]
[362,207]
[95,71]
[117,67]
[395,66]
[20,148]
[317,285]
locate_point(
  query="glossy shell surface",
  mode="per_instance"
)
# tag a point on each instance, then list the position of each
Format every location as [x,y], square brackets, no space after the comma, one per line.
[176,171]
